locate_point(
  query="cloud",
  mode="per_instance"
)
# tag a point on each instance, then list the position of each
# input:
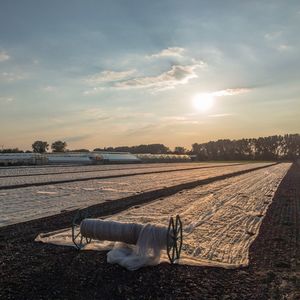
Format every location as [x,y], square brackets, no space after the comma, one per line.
[273,35]
[277,42]
[6,99]
[4,56]
[93,115]
[108,76]
[284,47]
[9,76]
[49,88]
[77,138]
[93,91]
[158,127]
[230,92]
[168,52]
[93,111]
[220,115]
[178,74]
[174,118]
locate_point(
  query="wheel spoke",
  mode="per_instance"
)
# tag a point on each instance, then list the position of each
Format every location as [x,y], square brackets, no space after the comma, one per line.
[173,254]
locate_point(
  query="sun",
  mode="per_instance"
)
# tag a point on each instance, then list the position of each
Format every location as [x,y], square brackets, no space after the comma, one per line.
[203,102]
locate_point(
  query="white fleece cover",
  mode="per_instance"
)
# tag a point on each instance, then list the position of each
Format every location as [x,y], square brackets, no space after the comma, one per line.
[220,220]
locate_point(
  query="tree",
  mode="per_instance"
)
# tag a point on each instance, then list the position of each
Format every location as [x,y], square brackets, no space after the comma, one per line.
[275,147]
[59,146]
[151,148]
[79,150]
[11,150]
[179,150]
[40,147]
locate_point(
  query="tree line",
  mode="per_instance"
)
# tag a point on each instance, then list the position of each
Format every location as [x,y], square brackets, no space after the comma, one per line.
[60,146]
[151,148]
[40,147]
[276,147]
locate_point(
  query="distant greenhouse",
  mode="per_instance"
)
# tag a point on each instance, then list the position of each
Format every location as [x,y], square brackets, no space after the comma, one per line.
[147,158]
[96,157]
[114,157]
[105,157]
[9,159]
[69,158]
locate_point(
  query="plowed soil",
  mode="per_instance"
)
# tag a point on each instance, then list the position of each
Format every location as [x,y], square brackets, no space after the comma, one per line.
[30,270]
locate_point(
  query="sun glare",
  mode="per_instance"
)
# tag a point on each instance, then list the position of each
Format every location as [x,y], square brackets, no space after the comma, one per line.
[203,102]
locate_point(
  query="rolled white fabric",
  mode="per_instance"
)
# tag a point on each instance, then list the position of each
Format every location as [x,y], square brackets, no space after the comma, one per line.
[148,239]
[110,230]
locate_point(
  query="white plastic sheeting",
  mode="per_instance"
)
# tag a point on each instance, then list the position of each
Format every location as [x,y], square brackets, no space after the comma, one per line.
[93,157]
[22,158]
[56,158]
[115,157]
[220,220]
[140,245]
[36,202]
[147,157]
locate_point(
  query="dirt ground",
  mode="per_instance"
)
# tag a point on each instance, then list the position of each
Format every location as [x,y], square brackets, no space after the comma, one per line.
[30,270]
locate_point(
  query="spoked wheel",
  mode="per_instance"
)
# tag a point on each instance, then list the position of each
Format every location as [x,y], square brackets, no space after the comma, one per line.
[77,238]
[174,239]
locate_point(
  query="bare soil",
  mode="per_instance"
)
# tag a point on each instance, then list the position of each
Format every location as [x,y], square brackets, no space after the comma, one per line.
[30,270]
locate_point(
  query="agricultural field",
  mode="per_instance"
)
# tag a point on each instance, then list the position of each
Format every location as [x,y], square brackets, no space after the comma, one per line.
[39,192]
[240,229]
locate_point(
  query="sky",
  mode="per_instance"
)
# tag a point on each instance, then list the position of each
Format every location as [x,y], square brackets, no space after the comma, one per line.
[130,72]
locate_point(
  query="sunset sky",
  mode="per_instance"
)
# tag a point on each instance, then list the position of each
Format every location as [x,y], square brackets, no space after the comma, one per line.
[112,73]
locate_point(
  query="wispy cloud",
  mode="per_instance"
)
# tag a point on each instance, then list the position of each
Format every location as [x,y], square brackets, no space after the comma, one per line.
[49,88]
[219,115]
[10,77]
[6,99]
[108,76]
[158,126]
[230,92]
[93,91]
[4,56]
[277,41]
[76,138]
[284,47]
[174,118]
[273,35]
[178,74]
[168,52]
[93,111]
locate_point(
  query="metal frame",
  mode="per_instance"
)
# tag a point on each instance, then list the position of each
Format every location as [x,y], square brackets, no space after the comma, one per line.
[174,239]
[77,237]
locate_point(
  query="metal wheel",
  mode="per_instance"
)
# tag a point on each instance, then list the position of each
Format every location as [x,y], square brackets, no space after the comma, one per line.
[77,238]
[174,239]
